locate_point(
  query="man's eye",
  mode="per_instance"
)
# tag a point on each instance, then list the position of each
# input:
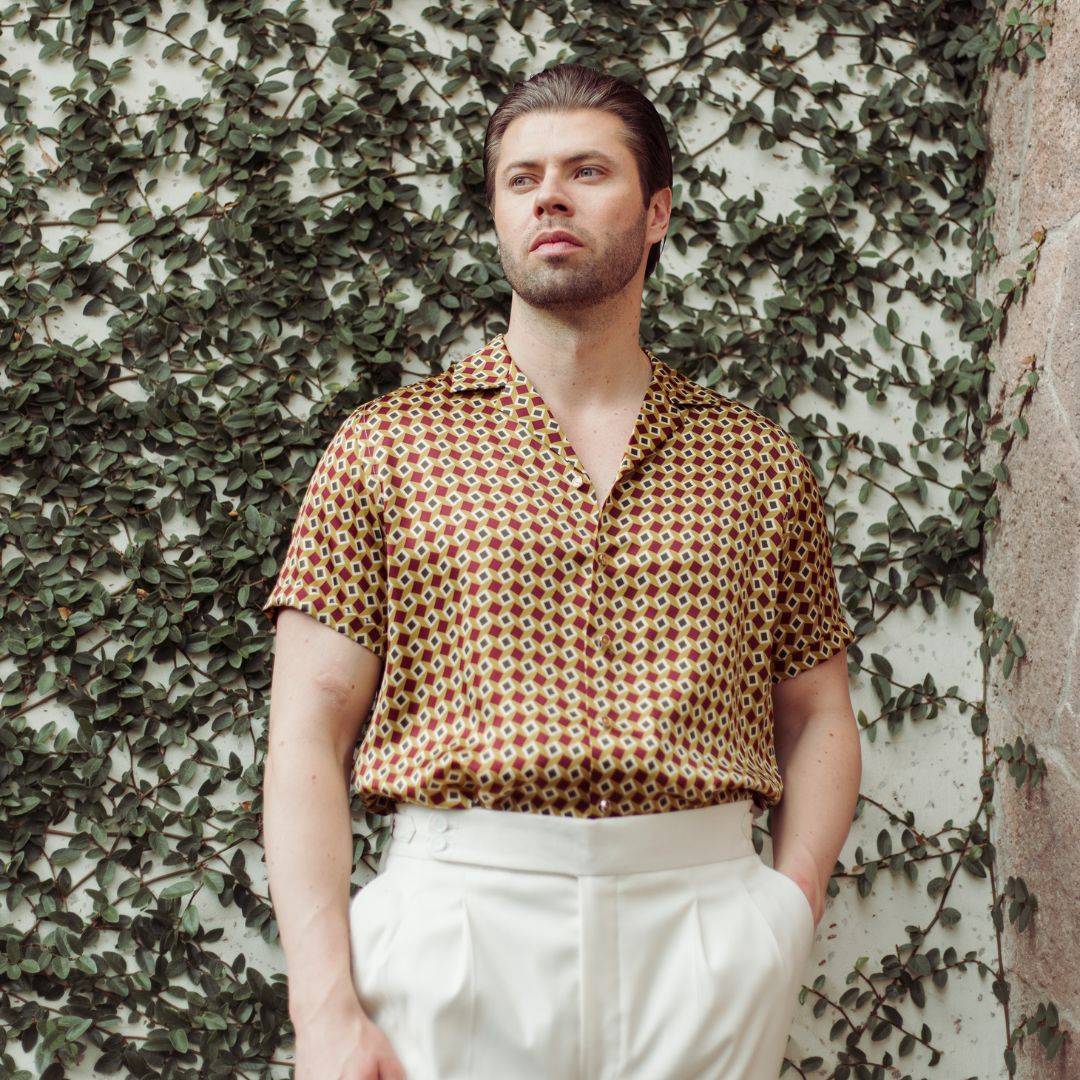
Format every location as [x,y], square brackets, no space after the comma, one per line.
[514,179]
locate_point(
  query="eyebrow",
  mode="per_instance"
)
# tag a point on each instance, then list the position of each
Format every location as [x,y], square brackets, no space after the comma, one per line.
[598,155]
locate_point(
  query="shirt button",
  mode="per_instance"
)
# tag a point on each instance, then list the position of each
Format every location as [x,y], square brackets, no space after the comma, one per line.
[605,642]
[602,559]
[605,806]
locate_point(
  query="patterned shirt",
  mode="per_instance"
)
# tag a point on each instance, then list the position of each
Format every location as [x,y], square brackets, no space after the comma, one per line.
[544,653]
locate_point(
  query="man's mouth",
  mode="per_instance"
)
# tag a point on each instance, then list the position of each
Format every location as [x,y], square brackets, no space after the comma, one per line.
[553,246]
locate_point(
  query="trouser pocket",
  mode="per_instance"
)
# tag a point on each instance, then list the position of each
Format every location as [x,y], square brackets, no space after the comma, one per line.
[376,914]
[785,912]
[706,986]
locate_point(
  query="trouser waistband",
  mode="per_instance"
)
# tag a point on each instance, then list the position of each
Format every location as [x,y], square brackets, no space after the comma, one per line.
[517,840]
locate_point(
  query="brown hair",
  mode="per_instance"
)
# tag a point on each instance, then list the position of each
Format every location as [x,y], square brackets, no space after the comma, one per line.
[574,86]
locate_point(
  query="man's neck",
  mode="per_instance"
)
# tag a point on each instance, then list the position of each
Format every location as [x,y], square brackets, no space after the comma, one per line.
[581,368]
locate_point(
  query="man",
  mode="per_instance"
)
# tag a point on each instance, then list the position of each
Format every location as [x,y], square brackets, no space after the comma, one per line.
[591,608]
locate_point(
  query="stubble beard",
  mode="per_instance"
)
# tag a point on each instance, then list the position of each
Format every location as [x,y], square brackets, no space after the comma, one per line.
[579,279]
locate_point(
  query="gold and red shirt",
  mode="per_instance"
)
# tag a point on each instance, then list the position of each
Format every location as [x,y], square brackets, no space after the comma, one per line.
[545,653]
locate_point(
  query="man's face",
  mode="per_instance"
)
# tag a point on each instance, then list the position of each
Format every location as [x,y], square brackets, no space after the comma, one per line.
[541,184]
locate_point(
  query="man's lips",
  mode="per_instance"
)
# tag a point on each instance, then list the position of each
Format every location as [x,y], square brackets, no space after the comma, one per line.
[553,246]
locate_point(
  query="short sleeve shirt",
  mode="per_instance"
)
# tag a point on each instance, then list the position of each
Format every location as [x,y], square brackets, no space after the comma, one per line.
[544,652]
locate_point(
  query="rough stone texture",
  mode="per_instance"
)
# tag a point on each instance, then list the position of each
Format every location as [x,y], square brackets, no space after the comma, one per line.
[1033,558]
[1009,107]
[1065,355]
[1049,177]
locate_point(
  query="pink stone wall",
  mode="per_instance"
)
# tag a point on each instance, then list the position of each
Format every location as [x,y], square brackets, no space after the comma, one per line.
[1033,559]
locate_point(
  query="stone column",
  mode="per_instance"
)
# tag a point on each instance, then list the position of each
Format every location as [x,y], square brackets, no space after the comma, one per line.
[1033,558]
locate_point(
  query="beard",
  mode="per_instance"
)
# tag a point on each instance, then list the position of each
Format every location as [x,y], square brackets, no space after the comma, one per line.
[579,279]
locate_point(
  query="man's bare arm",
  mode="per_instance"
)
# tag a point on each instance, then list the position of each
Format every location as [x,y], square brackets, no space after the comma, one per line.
[322,687]
[820,758]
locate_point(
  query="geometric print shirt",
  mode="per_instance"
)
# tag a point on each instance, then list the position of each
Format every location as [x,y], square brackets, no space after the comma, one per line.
[545,653]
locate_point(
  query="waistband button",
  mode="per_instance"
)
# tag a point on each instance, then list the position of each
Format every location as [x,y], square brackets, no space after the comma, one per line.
[439,824]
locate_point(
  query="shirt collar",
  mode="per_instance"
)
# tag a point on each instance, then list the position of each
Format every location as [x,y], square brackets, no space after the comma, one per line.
[488,367]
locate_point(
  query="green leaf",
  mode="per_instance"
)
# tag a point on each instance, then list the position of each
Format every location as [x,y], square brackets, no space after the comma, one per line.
[176,889]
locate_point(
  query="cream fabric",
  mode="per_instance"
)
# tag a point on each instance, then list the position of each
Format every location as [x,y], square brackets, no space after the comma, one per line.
[499,944]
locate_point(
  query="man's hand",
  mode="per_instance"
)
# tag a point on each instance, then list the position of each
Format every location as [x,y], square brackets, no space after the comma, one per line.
[344,1043]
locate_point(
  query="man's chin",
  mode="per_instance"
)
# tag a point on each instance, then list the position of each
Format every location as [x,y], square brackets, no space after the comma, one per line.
[561,301]
[555,290]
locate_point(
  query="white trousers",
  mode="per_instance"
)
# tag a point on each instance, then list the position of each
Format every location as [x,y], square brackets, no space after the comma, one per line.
[504,945]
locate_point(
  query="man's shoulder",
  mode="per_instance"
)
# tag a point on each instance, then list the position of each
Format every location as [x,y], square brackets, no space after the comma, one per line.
[396,407]
[735,420]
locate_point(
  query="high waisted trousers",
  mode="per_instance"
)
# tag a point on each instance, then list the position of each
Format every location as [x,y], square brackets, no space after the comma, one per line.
[505,945]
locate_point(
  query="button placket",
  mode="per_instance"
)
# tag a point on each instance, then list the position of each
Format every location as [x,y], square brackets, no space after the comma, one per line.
[436,833]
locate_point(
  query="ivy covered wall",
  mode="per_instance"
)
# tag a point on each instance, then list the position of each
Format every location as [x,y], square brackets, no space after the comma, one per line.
[227,224]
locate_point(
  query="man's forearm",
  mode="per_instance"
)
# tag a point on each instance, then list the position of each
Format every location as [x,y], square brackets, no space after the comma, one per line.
[307,835]
[822,769]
